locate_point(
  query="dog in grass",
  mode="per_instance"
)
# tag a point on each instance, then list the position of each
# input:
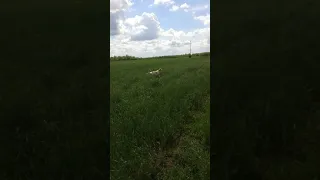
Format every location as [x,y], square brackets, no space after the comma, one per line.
[155,73]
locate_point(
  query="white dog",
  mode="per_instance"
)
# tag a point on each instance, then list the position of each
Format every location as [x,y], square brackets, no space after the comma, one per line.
[155,73]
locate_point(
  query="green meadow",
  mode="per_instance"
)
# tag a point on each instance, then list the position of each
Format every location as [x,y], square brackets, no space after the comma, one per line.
[159,126]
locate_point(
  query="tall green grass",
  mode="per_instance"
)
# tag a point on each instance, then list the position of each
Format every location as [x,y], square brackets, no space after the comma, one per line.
[148,113]
[191,158]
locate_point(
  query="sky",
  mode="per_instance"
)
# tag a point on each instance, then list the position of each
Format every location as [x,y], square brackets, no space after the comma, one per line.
[146,28]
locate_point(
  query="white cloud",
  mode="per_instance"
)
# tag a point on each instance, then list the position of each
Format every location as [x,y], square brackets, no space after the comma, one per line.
[144,27]
[205,19]
[174,8]
[199,8]
[163,2]
[169,42]
[142,35]
[114,23]
[120,5]
[184,6]
[117,9]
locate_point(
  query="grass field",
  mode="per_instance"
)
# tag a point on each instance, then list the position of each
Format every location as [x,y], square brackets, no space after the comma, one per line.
[160,126]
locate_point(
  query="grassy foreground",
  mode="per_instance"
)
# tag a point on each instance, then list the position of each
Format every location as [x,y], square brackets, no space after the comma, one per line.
[149,118]
[191,158]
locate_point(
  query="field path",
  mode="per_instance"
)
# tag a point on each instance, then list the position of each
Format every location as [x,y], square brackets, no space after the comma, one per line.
[189,158]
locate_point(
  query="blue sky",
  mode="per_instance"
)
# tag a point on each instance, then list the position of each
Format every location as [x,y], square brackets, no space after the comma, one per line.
[169,19]
[159,27]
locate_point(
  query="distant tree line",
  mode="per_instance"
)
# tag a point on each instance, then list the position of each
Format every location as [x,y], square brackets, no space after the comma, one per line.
[201,54]
[127,57]
[121,58]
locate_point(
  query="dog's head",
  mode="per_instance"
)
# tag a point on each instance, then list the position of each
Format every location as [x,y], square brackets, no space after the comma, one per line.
[160,69]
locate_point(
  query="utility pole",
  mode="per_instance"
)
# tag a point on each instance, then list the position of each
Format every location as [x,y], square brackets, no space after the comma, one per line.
[190,50]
